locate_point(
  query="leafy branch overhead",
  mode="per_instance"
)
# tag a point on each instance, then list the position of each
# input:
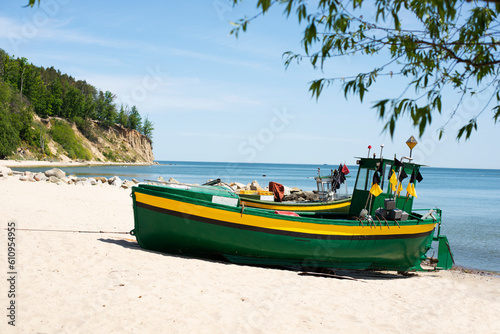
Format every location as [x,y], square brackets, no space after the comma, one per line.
[32,3]
[437,47]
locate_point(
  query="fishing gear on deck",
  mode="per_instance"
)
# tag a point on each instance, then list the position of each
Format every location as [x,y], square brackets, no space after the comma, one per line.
[339,177]
[211,183]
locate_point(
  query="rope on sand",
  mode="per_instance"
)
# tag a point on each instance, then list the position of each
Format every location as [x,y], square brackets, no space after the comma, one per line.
[67,231]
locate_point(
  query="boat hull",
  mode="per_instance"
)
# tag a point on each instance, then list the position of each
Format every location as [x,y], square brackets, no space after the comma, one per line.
[177,224]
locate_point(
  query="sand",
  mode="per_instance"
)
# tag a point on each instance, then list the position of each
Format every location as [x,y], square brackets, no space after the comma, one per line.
[71,282]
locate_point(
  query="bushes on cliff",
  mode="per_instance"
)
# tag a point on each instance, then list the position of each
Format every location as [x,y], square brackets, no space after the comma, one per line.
[86,128]
[62,133]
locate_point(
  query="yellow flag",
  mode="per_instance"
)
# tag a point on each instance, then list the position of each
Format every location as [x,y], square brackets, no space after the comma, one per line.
[394,181]
[411,190]
[375,190]
[400,188]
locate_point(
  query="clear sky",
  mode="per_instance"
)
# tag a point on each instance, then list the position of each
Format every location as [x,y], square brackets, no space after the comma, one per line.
[214,97]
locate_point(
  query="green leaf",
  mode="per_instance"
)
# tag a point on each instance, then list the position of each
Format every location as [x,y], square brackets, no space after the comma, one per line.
[264,4]
[497,113]
[380,105]
[392,127]
[467,129]
[361,88]
[441,132]
[316,87]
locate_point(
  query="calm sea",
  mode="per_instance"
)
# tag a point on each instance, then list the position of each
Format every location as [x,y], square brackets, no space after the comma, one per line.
[469,198]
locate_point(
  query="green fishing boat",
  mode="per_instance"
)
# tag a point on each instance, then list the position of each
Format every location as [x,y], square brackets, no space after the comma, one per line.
[380,231]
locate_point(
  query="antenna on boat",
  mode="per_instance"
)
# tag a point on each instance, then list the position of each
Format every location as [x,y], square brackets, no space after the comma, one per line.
[381,149]
[369,148]
[411,142]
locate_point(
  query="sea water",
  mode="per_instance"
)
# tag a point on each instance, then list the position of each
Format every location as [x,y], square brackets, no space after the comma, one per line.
[469,198]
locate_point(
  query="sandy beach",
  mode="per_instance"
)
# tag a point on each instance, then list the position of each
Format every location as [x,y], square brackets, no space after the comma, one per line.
[71,278]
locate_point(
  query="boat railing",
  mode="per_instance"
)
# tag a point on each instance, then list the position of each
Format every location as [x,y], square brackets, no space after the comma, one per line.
[224,185]
[435,214]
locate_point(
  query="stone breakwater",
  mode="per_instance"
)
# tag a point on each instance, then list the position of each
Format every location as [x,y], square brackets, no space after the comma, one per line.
[58,176]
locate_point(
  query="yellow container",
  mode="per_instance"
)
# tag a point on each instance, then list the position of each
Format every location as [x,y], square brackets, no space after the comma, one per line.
[247,192]
[263,192]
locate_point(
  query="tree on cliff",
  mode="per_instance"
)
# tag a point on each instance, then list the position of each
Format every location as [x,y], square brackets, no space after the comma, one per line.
[134,119]
[106,109]
[122,117]
[432,46]
[147,128]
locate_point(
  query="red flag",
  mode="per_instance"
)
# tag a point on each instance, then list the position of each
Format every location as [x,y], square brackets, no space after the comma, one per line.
[345,170]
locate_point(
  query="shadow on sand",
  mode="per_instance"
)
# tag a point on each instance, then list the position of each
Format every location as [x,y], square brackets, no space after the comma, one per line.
[349,274]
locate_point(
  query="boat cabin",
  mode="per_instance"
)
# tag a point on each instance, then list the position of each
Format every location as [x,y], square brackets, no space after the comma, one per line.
[387,203]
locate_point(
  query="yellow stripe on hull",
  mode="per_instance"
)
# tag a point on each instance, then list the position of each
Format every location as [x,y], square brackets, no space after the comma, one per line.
[291,224]
[304,208]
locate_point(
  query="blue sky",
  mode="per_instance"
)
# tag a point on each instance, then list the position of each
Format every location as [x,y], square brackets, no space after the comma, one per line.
[214,97]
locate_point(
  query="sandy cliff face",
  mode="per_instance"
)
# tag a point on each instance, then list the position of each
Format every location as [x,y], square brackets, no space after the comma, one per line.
[135,142]
[118,144]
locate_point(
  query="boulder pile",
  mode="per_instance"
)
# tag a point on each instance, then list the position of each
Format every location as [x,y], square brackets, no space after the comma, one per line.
[55,175]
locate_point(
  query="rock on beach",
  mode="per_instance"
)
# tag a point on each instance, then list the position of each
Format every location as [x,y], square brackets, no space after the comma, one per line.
[5,171]
[55,172]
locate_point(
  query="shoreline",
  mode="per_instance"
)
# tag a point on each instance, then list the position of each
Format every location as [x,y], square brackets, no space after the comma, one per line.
[51,164]
[479,272]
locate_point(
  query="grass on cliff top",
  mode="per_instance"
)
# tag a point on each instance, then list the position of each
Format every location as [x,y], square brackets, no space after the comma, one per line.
[62,133]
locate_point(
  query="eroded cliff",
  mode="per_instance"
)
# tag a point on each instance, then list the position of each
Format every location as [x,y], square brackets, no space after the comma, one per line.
[62,140]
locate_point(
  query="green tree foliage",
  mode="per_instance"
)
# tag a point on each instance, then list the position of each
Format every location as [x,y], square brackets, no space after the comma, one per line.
[430,45]
[134,119]
[9,135]
[16,120]
[56,99]
[148,128]
[106,109]
[122,117]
